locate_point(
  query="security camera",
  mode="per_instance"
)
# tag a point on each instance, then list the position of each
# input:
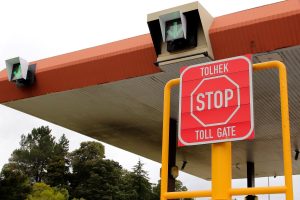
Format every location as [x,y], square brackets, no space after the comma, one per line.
[180,32]
[20,72]
[173,26]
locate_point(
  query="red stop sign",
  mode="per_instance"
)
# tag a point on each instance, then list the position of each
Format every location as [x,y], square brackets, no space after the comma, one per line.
[216,102]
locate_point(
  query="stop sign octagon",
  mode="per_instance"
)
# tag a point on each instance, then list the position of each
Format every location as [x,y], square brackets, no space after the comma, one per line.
[227,96]
[216,102]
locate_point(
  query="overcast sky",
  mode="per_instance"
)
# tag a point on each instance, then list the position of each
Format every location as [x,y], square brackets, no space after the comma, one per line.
[35,29]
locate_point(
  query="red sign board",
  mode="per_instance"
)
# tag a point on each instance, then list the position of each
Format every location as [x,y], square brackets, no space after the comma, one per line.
[216,102]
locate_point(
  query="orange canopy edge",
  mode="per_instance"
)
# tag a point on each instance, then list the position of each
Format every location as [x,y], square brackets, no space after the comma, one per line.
[255,30]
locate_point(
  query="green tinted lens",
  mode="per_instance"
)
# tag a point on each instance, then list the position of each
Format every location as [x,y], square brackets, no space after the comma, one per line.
[174,30]
[16,71]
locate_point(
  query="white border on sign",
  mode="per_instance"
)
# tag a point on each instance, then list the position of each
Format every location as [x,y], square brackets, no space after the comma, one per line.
[251,102]
[232,114]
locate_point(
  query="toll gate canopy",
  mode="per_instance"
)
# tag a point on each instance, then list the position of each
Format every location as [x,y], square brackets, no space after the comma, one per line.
[114,92]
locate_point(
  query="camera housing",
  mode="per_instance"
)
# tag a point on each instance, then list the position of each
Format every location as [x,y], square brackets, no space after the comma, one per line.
[20,71]
[180,32]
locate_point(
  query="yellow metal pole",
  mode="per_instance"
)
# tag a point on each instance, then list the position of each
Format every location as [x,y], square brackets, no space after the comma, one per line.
[258,190]
[165,137]
[285,123]
[188,194]
[221,171]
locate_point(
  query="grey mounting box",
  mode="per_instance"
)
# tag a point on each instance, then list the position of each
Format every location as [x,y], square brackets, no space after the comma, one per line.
[20,72]
[10,63]
[193,21]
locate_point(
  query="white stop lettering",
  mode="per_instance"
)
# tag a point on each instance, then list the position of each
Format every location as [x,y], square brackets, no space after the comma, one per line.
[214,99]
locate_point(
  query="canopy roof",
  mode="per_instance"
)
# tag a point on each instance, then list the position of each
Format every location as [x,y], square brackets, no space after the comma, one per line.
[114,92]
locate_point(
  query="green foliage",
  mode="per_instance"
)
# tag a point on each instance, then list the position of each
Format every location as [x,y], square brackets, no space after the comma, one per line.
[58,165]
[84,160]
[33,155]
[14,184]
[46,164]
[137,185]
[93,177]
[45,192]
[41,158]
[179,187]
[39,153]
[88,151]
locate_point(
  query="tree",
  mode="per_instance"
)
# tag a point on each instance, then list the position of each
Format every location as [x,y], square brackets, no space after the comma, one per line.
[141,181]
[43,169]
[179,187]
[136,185]
[43,191]
[84,158]
[33,155]
[40,154]
[14,184]
[88,151]
[94,177]
[58,165]
[126,187]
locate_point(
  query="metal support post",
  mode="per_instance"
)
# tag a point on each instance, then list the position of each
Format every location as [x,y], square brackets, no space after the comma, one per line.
[250,179]
[172,153]
[221,171]
[285,123]
[166,138]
